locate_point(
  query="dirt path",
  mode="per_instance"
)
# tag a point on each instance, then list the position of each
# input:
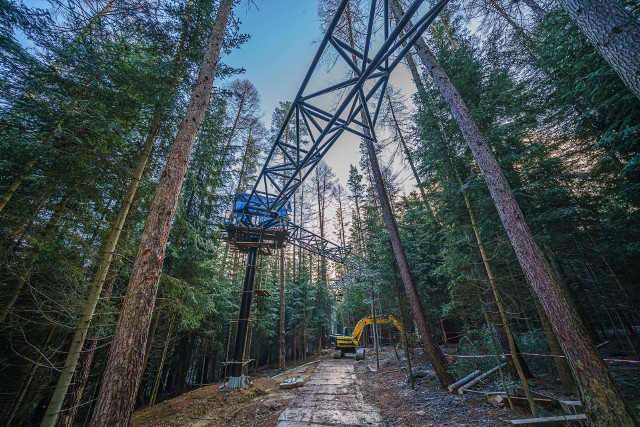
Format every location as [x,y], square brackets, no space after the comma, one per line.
[331,397]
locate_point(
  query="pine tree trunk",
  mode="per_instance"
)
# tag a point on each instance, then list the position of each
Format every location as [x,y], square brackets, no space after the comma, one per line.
[321,197]
[559,361]
[74,399]
[203,365]
[415,75]
[106,258]
[227,146]
[603,402]
[17,182]
[614,32]
[496,351]
[503,327]
[405,338]
[109,249]
[434,353]
[341,228]
[124,366]
[525,39]
[304,334]
[429,344]
[505,336]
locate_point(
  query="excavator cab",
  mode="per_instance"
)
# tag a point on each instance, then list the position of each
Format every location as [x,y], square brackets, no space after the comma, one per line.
[347,331]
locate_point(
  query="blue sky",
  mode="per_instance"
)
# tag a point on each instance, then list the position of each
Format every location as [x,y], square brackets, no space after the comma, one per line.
[281,48]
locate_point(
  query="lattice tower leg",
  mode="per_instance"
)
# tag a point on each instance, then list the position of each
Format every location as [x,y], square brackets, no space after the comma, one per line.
[237,378]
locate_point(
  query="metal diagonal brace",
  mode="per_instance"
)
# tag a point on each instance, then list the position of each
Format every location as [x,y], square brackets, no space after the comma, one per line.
[324,127]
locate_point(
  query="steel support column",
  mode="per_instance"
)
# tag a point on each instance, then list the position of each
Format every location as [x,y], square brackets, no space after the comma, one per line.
[236,379]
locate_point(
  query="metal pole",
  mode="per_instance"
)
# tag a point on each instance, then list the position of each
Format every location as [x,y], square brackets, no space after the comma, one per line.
[236,379]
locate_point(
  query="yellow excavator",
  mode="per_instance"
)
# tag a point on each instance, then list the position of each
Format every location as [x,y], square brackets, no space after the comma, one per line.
[350,344]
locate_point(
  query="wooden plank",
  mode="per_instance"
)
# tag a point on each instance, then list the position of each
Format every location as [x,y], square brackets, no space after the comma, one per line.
[560,421]
[519,391]
[523,402]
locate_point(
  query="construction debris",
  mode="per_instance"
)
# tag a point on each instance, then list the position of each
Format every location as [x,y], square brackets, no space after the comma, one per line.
[291,383]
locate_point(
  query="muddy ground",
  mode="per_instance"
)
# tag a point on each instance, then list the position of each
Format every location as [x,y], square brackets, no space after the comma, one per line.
[386,389]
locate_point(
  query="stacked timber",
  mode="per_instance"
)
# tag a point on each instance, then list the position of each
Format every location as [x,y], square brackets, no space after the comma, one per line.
[477,379]
[472,379]
[453,387]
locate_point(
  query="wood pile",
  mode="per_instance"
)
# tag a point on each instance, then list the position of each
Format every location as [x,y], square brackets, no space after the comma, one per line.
[472,379]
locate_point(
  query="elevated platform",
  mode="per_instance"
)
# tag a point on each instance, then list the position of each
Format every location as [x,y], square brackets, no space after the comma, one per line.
[254,223]
[265,239]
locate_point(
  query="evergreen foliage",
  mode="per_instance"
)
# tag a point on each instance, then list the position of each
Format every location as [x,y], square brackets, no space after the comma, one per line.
[83,90]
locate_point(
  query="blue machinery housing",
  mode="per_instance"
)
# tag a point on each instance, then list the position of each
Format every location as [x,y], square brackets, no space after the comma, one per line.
[248,211]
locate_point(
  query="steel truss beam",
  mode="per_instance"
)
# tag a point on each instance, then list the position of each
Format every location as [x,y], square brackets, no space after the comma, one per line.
[318,127]
[313,243]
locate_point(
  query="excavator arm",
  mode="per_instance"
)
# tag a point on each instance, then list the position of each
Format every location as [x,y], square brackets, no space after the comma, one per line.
[378,320]
[351,343]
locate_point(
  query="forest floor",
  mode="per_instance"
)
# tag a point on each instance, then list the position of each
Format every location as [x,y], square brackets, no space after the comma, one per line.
[257,405]
[336,391]
[428,404]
